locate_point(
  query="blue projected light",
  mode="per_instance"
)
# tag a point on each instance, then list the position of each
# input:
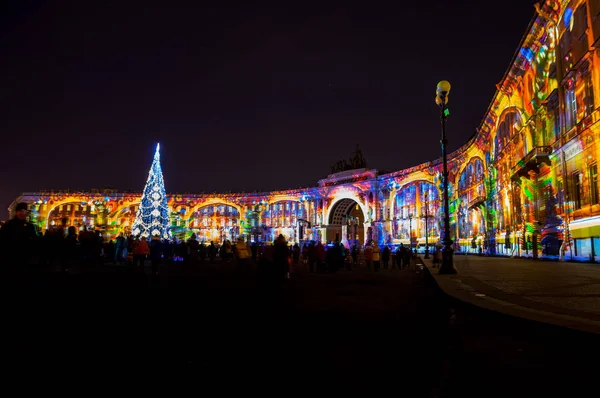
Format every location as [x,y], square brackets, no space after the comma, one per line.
[568,18]
[527,53]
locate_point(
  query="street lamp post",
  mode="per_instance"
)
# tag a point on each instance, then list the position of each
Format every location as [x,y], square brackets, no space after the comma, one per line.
[426,227]
[441,99]
[410,217]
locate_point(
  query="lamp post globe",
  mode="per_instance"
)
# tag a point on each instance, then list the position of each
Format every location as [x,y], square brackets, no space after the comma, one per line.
[443,88]
[441,99]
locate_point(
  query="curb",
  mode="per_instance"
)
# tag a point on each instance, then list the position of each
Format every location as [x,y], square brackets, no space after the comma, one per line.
[453,287]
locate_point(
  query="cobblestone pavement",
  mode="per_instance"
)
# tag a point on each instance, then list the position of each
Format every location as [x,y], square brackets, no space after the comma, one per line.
[357,332]
[561,287]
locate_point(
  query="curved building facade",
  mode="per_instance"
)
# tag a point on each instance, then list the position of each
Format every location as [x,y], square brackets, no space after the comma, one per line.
[525,184]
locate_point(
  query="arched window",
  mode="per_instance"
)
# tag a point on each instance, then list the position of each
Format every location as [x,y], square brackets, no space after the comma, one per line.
[283,214]
[215,222]
[471,175]
[416,199]
[505,130]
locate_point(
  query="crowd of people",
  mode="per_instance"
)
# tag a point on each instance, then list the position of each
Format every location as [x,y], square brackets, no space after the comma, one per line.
[61,248]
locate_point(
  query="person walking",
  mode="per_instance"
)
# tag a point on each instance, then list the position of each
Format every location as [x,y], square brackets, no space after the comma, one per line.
[376,256]
[437,256]
[18,239]
[385,257]
[354,256]
[192,246]
[140,251]
[281,258]
[321,254]
[305,254]
[242,255]
[202,250]
[369,256]
[156,253]
[71,252]
[296,253]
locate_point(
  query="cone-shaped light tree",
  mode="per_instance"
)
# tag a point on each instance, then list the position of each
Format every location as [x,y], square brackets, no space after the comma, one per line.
[152,218]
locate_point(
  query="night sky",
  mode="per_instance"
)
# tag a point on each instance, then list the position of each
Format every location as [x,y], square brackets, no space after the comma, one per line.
[240,98]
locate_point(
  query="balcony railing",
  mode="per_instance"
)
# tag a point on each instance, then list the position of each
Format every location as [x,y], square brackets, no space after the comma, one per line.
[476,202]
[531,162]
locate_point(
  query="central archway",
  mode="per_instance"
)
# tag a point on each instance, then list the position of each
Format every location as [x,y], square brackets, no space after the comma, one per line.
[346,223]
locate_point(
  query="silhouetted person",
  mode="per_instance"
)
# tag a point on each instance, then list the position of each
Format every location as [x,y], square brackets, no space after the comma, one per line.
[312,257]
[354,255]
[98,248]
[296,253]
[51,249]
[202,251]
[243,255]
[88,245]
[192,246]
[385,257]
[320,249]
[167,248]
[71,252]
[140,251]
[120,249]
[110,251]
[254,250]
[156,253]
[280,258]
[17,240]
[376,256]
[212,252]
[305,254]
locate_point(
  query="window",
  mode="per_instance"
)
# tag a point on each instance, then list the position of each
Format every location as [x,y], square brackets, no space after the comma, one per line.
[576,179]
[570,104]
[68,207]
[588,94]
[581,25]
[565,51]
[593,170]
[556,124]
[560,195]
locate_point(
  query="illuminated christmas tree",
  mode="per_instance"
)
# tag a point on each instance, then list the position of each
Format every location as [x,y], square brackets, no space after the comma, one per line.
[152,218]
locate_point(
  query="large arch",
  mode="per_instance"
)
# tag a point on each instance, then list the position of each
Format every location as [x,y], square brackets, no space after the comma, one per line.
[209,202]
[346,221]
[473,159]
[115,217]
[470,173]
[281,218]
[510,122]
[55,203]
[347,195]
[283,198]
[214,226]
[471,194]
[82,213]
[416,213]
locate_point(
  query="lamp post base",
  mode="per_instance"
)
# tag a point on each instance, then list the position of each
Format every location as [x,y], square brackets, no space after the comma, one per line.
[447,266]
[426,253]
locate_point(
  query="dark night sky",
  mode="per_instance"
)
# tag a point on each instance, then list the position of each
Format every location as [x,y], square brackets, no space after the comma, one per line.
[240,98]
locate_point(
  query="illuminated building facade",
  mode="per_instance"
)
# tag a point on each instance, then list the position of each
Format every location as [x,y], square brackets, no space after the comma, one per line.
[525,184]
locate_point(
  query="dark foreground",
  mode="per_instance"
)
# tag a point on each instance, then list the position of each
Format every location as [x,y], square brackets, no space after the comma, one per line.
[390,333]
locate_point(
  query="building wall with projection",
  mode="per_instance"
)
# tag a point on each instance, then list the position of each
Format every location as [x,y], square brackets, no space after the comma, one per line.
[525,184]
